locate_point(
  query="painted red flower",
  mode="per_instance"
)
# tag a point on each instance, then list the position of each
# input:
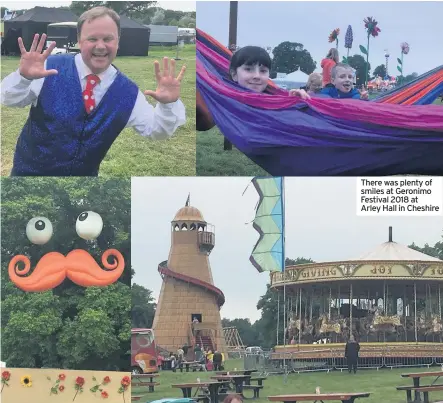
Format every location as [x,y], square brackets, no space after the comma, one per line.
[61,388]
[80,381]
[6,375]
[104,394]
[334,35]
[126,381]
[371,26]
[106,380]
[62,377]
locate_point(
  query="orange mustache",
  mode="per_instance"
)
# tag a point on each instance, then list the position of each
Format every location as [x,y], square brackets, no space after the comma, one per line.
[78,265]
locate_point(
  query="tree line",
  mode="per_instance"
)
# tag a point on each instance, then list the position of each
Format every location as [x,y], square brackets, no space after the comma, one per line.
[144,12]
[292,56]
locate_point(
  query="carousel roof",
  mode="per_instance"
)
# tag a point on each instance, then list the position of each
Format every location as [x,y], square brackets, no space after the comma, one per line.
[395,251]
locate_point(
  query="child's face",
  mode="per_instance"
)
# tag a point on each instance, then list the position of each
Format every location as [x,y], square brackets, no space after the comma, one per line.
[315,85]
[253,77]
[343,80]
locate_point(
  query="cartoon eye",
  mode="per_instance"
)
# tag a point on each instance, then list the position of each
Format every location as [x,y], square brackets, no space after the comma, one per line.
[89,225]
[39,230]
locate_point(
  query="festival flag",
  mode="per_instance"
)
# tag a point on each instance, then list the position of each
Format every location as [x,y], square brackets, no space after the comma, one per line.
[268,253]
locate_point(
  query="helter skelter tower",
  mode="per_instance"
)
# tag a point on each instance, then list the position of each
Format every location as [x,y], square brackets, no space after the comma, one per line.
[188,290]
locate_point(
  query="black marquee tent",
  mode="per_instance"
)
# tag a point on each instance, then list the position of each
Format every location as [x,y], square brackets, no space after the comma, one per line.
[134,40]
[34,21]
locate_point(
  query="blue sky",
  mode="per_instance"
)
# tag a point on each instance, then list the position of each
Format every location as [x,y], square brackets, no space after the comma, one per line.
[321,224]
[310,23]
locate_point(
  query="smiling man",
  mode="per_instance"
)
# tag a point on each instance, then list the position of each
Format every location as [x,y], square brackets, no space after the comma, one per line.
[80,104]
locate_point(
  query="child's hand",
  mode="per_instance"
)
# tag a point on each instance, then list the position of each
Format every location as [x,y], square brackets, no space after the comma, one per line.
[299,93]
[363,93]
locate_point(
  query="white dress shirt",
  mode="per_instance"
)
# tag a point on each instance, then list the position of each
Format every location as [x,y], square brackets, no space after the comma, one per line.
[159,123]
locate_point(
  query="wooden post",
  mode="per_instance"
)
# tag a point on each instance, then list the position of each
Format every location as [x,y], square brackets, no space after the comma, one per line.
[233,17]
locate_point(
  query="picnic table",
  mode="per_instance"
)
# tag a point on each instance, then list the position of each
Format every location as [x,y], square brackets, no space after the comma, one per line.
[416,376]
[321,397]
[187,364]
[212,386]
[238,372]
[142,380]
[237,379]
[259,380]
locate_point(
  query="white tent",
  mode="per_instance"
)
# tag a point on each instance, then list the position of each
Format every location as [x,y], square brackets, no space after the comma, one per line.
[296,76]
[2,364]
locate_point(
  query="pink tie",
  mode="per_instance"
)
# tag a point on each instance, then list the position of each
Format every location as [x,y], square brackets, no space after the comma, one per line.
[88,95]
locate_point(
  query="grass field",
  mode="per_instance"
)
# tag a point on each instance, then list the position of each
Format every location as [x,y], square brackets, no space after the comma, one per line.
[381,384]
[131,154]
[212,160]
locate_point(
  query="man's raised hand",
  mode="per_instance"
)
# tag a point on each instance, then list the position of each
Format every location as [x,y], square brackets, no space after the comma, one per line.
[168,86]
[32,63]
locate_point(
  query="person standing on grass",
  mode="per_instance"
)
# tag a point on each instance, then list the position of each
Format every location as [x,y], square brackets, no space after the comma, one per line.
[217,360]
[351,354]
[81,103]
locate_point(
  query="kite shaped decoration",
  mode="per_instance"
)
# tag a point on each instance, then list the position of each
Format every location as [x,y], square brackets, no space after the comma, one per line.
[268,253]
[286,136]
[78,265]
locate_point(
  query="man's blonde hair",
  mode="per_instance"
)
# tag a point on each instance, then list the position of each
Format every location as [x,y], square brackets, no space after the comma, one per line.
[98,12]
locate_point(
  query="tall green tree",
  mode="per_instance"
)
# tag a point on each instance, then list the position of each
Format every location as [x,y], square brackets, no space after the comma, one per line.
[143,307]
[245,329]
[135,9]
[3,10]
[272,307]
[359,64]
[435,251]
[69,326]
[290,57]
[380,71]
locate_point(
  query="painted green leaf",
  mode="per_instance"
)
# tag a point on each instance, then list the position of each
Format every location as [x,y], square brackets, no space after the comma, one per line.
[399,61]
[345,59]
[363,50]
[399,69]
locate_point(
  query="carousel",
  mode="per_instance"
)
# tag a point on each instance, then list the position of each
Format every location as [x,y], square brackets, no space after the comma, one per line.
[390,299]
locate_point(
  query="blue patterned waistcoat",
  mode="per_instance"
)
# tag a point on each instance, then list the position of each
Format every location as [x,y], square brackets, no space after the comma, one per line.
[59,137]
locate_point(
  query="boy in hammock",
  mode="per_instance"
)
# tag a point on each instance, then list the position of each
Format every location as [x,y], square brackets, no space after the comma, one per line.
[342,78]
[250,67]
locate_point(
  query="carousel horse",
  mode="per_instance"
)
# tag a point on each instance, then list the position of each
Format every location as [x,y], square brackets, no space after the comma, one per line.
[327,326]
[387,324]
[296,326]
[434,327]
[394,134]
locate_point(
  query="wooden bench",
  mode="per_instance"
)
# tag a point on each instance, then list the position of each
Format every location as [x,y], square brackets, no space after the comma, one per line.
[150,385]
[202,398]
[421,389]
[259,380]
[255,388]
[343,397]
